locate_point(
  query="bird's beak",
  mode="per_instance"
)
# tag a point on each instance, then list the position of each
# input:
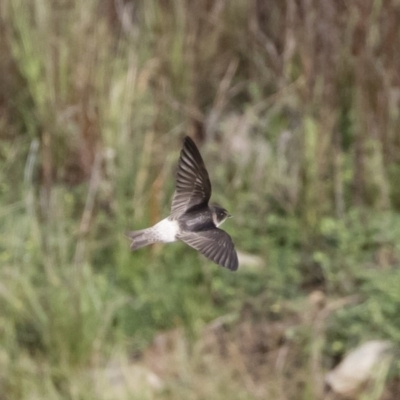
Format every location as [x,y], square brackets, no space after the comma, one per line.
[230,216]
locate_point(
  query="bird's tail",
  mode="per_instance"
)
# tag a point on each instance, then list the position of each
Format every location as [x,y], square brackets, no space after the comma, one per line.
[141,238]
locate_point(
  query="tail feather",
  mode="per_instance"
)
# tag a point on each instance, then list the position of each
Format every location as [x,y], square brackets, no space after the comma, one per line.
[141,238]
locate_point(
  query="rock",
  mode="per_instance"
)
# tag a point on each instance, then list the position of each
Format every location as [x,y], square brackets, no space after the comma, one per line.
[120,378]
[364,364]
[250,261]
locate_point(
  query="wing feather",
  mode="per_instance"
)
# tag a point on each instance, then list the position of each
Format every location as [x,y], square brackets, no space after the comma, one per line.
[193,186]
[215,244]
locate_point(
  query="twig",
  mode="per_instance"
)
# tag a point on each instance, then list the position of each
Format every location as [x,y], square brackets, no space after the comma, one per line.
[88,210]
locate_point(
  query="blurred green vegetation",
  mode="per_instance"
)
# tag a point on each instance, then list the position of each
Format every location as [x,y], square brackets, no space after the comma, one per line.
[295,105]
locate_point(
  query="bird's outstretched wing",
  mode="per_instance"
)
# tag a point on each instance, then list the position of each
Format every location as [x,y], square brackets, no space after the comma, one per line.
[193,187]
[215,244]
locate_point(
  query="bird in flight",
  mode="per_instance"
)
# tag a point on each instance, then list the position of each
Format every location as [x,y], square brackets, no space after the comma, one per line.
[193,220]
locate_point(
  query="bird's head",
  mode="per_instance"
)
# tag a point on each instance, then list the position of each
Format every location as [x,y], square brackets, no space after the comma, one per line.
[219,215]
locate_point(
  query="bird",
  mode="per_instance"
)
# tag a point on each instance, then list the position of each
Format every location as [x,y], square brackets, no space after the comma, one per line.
[192,219]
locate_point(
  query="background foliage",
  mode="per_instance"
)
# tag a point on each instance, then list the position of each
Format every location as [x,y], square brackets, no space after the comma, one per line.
[295,105]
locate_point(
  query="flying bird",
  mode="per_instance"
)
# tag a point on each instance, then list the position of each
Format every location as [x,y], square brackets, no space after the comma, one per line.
[192,220]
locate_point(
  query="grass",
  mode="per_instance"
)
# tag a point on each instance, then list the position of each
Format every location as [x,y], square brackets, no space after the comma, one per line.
[294,106]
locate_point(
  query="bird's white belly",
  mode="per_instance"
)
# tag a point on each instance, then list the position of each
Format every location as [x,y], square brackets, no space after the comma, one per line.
[166,230]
